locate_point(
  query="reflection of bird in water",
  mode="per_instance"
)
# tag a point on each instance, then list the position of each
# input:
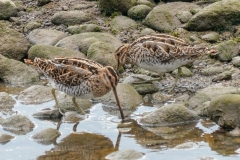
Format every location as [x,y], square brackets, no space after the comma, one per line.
[78,77]
[160,53]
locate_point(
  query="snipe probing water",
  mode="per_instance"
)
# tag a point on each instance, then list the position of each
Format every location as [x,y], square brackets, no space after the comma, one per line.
[160,53]
[78,77]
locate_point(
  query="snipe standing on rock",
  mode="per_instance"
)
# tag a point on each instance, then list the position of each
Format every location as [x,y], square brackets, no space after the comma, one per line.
[160,53]
[78,77]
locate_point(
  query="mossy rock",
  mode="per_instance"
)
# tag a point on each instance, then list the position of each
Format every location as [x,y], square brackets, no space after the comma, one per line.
[83,28]
[13,44]
[108,7]
[225,110]
[16,73]
[227,50]
[139,12]
[217,16]
[169,115]
[102,53]
[7,9]
[50,52]
[121,23]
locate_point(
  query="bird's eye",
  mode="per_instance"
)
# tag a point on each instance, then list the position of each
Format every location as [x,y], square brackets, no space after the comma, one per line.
[118,54]
[109,77]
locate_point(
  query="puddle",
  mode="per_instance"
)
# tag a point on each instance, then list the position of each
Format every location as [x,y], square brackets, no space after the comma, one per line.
[101,134]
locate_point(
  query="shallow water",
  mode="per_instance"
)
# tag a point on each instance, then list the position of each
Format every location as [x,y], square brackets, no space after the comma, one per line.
[100,134]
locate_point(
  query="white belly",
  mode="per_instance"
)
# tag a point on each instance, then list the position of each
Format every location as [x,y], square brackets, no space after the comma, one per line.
[163,68]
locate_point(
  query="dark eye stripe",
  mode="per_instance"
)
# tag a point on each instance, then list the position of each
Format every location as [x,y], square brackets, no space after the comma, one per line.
[113,73]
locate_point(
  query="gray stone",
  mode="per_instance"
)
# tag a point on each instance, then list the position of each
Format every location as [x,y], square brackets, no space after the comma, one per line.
[44,36]
[187,145]
[139,12]
[211,70]
[163,17]
[50,52]
[126,154]
[102,53]
[6,102]
[121,23]
[46,136]
[5,138]
[184,16]
[108,7]
[18,124]
[222,76]
[146,2]
[31,26]
[16,73]
[145,88]
[219,15]
[128,103]
[147,31]
[185,72]
[12,43]
[7,9]
[42,2]
[70,17]
[35,94]
[72,117]
[82,42]
[236,61]
[225,109]
[227,50]
[83,28]
[168,115]
[211,37]
[47,113]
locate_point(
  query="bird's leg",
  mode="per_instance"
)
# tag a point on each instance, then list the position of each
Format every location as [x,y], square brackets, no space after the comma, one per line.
[150,80]
[176,79]
[77,106]
[56,101]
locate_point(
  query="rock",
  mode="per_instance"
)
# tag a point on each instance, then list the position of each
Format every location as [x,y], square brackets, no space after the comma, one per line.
[18,124]
[227,50]
[50,52]
[216,16]
[70,17]
[145,2]
[225,110]
[7,9]
[163,17]
[211,37]
[12,43]
[128,103]
[199,103]
[72,117]
[160,98]
[236,61]
[102,53]
[133,78]
[222,76]
[35,94]
[185,72]
[16,73]
[211,70]
[47,114]
[184,16]
[5,138]
[31,26]
[82,42]
[108,7]
[76,29]
[65,102]
[187,145]
[139,12]
[42,2]
[126,154]
[6,102]
[46,136]
[44,36]
[237,30]
[145,88]
[147,31]
[168,115]
[121,23]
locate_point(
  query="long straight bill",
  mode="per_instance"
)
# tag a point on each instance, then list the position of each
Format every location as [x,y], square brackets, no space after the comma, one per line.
[118,102]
